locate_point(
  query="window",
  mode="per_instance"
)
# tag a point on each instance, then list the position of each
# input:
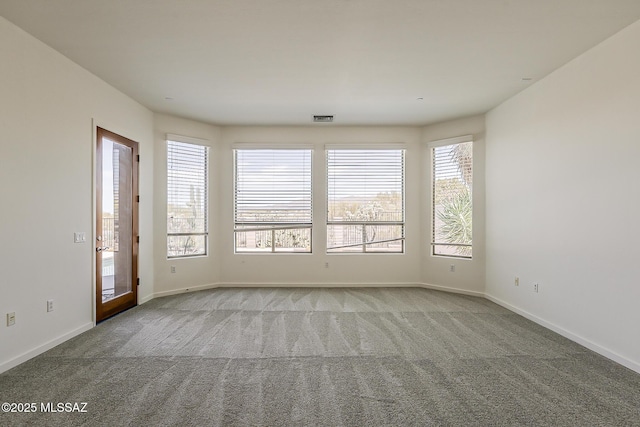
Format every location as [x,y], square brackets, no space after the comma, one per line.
[452,206]
[273,210]
[365,200]
[187,198]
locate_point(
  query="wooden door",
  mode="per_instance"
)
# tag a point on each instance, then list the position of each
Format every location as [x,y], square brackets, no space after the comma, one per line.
[116,224]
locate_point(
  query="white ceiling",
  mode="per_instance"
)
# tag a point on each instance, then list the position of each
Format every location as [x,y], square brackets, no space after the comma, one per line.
[281,61]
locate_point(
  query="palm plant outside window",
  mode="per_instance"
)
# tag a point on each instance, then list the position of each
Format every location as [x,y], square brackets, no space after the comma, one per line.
[452,213]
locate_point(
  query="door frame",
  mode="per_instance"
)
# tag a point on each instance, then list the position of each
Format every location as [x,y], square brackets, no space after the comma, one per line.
[118,304]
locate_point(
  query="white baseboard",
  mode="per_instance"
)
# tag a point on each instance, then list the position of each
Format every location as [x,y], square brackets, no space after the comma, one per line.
[634,366]
[177,291]
[452,290]
[12,363]
[317,285]
[311,285]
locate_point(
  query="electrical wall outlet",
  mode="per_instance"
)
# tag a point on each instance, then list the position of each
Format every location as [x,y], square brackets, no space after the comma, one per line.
[11,319]
[452,268]
[516,281]
[173,269]
[326,265]
[536,287]
[49,305]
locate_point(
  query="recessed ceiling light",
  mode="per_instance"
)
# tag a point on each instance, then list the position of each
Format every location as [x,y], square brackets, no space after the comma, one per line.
[527,79]
[420,99]
[168,98]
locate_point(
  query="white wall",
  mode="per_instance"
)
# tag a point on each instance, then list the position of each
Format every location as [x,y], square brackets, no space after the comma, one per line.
[469,274]
[47,109]
[563,199]
[190,273]
[309,269]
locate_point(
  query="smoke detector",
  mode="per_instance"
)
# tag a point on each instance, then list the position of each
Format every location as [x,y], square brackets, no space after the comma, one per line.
[322,119]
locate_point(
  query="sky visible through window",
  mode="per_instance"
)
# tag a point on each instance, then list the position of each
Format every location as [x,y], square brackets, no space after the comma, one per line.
[362,176]
[273,185]
[107,176]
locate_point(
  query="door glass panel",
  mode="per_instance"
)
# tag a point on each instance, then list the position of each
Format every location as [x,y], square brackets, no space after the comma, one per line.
[117,219]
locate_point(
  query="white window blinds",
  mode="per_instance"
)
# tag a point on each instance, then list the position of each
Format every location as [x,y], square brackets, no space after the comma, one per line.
[273,200]
[452,199]
[187,199]
[365,197]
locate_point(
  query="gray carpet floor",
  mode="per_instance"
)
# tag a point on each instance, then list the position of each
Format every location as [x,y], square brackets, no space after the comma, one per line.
[328,357]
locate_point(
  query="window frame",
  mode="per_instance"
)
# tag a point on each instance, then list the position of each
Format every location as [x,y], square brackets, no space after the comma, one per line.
[272,226]
[365,224]
[432,212]
[179,139]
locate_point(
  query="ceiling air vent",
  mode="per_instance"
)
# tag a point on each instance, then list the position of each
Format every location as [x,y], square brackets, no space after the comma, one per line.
[323,119]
